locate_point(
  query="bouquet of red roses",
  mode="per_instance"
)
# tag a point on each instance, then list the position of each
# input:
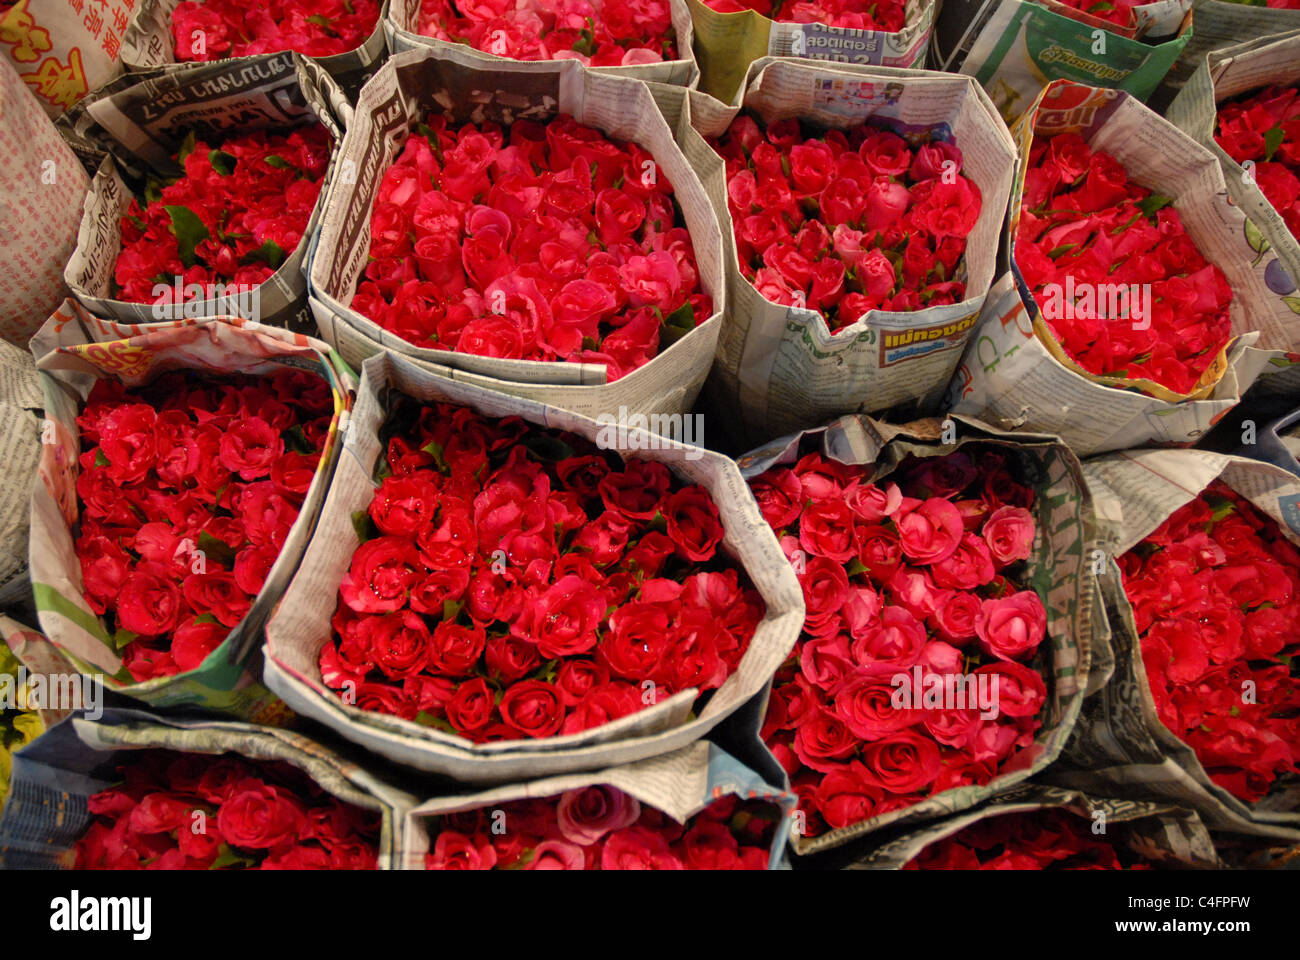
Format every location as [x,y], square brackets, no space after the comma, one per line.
[537,242]
[187,489]
[598,33]
[518,582]
[215,29]
[188,811]
[919,667]
[886,15]
[1215,592]
[1086,228]
[602,828]
[241,206]
[848,221]
[1264,128]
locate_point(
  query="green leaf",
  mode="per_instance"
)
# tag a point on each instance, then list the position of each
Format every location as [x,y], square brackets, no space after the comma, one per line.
[1062,249]
[323,22]
[1157,201]
[1272,140]
[677,325]
[186,148]
[363,525]
[153,189]
[100,459]
[586,42]
[547,447]
[222,162]
[122,638]
[451,609]
[215,549]
[296,440]
[228,859]
[270,253]
[855,567]
[188,230]
[434,449]
[430,720]
[277,161]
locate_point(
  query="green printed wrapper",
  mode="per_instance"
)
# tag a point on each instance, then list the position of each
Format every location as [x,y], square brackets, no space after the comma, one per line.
[76,350]
[1014,48]
[1120,746]
[1157,832]
[54,777]
[1059,571]
[680,784]
[727,44]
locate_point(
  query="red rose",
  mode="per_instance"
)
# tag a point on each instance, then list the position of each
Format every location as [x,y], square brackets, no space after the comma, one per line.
[1012,627]
[693,522]
[381,573]
[259,816]
[902,763]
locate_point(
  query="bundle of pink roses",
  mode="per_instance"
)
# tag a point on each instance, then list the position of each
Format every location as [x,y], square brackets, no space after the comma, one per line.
[602,828]
[918,669]
[599,33]
[1215,591]
[186,491]
[850,220]
[189,811]
[515,581]
[215,29]
[546,241]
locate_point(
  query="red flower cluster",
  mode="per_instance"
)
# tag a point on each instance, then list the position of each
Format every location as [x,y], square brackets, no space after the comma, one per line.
[602,828]
[190,811]
[187,489]
[1033,840]
[850,221]
[1265,127]
[1215,591]
[216,29]
[1086,229]
[912,675]
[887,15]
[543,242]
[234,216]
[1118,12]
[600,33]
[521,586]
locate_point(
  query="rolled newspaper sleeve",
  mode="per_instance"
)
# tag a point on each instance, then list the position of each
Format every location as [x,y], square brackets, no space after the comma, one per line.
[470,88]
[402,29]
[79,349]
[1161,834]
[42,186]
[727,44]
[1120,746]
[1224,23]
[1014,374]
[779,368]
[1062,570]
[60,51]
[46,812]
[275,92]
[21,425]
[680,784]
[149,44]
[301,625]
[1016,47]
[1224,74]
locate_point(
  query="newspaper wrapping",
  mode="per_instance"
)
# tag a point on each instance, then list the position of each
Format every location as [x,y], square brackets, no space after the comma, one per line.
[1015,376]
[76,349]
[142,125]
[470,88]
[1016,47]
[402,30]
[1156,832]
[1222,75]
[61,54]
[726,44]
[64,688]
[1222,23]
[21,403]
[1120,747]
[53,779]
[41,189]
[680,784]
[149,43]
[1060,571]
[1277,442]
[300,626]
[780,369]
[21,719]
